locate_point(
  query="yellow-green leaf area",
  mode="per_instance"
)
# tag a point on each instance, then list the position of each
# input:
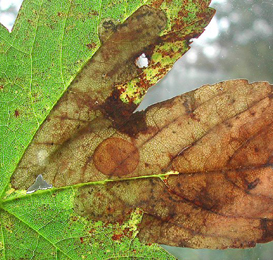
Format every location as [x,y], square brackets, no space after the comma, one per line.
[185,20]
[45,223]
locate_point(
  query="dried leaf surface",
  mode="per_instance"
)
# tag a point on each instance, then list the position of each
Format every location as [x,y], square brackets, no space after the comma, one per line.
[219,139]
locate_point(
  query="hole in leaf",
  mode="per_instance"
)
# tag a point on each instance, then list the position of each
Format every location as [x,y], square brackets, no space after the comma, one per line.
[142,61]
[39,184]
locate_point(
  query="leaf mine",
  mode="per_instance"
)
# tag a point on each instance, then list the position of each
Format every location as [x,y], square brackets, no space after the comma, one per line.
[92,109]
[83,105]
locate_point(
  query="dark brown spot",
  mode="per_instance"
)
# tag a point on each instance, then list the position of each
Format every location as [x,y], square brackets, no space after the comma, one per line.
[189,103]
[135,124]
[115,109]
[106,28]
[267,228]
[253,184]
[115,156]
[157,3]
[194,117]
[16,113]
[93,12]
[117,236]
[1,87]
[228,124]
[91,45]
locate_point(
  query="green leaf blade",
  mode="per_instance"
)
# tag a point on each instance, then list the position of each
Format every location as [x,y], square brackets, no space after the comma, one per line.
[49,215]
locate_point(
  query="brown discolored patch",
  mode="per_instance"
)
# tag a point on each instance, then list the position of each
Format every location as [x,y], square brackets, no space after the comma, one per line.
[116,110]
[1,87]
[267,227]
[135,124]
[91,45]
[115,156]
[196,134]
[253,184]
[93,12]
[157,3]
[16,113]
[106,28]
[116,237]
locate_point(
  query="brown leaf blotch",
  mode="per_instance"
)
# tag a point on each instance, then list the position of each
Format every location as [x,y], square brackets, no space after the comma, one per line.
[252,185]
[16,113]
[115,156]
[157,3]
[117,110]
[89,99]
[106,28]
[91,45]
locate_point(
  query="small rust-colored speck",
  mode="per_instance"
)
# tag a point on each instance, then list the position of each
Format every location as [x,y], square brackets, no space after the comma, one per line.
[110,210]
[1,87]
[117,236]
[16,113]
[253,184]
[81,238]
[157,3]
[92,230]
[60,14]
[74,218]
[165,181]
[91,45]
[93,13]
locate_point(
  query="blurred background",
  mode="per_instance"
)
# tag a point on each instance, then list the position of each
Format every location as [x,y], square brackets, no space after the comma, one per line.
[238,43]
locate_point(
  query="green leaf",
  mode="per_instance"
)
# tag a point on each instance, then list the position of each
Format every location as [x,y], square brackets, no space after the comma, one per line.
[49,44]
[45,224]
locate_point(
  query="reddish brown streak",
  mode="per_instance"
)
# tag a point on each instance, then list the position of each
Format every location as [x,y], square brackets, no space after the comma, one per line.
[16,113]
